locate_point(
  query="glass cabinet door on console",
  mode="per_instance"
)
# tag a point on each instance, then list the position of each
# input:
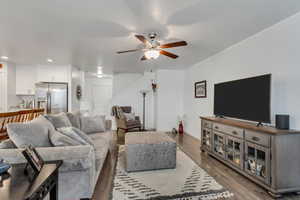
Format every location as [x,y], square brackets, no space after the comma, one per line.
[206,139]
[219,144]
[257,161]
[234,151]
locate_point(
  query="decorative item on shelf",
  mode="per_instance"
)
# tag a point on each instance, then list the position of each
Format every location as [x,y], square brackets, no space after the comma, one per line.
[200,89]
[180,119]
[174,131]
[251,166]
[4,167]
[180,128]
[153,80]
[282,122]
[154,86]
[3,177]
[35,162]
[1,66]
[78,92]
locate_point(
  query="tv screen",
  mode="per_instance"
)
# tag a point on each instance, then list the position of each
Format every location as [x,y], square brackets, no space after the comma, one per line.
[247,99]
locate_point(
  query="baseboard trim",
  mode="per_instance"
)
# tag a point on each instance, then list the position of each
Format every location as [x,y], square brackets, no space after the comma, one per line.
[192,136]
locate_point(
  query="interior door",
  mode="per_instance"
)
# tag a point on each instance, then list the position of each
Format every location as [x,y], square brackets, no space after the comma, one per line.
[101,99]
[58,98]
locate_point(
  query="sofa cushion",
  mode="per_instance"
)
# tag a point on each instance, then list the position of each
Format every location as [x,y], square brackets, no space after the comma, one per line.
[92,124]
[74,118]
[33,133]
[101,145]
[7,144]
[59,139]
[59,120]
[105,136]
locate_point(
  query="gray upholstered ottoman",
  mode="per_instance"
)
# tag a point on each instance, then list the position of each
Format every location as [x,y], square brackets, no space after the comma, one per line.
[149,151]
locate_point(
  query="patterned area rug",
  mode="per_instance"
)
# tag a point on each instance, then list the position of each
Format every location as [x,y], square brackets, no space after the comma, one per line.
[187,182]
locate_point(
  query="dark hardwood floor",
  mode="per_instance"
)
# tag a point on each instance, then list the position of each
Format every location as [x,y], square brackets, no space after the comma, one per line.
[242,188]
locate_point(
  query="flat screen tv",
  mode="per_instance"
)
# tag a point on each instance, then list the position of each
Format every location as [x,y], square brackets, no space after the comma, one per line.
[248,99]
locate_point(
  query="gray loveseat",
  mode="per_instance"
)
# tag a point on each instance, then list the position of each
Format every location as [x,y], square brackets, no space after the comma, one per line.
[81,164]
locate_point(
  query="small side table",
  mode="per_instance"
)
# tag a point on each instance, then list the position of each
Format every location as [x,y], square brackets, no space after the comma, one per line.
[18,187]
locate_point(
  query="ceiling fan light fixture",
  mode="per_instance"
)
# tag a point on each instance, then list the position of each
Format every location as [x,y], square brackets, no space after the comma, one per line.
[99,71]
[152,54]
[4,57]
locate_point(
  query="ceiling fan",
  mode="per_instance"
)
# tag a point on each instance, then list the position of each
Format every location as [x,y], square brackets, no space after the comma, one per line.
[152,47]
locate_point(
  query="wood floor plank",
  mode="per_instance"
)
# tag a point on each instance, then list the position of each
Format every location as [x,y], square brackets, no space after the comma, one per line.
[243,188]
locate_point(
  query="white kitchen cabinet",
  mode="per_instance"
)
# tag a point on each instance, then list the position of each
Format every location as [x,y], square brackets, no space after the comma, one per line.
[50,73]
[26,77]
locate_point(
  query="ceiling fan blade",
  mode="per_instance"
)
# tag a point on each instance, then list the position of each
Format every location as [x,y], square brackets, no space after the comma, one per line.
[174,44]
[133,50]
[166,53]
[142,39]
[143,58]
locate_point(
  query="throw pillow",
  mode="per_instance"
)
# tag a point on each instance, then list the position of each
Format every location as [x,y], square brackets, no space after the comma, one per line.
[7,144]
[69,131]
[33,133]
[74,118]
[59,120]
[93,124]
[58,139]
[129,116]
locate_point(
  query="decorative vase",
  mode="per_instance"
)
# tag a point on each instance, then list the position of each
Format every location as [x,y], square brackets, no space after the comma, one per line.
[154,86]
[180,128]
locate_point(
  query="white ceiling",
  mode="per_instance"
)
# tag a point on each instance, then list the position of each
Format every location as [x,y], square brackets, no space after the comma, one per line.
[87,33]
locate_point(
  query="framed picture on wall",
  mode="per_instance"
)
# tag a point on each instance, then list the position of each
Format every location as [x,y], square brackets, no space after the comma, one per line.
[200,89]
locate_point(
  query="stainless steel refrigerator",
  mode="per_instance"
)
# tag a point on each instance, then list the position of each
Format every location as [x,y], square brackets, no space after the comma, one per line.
[53,97]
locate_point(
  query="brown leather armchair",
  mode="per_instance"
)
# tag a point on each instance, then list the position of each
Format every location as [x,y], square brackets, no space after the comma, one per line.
[122,122]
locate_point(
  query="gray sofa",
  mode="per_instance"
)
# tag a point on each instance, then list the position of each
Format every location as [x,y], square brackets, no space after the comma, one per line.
[81,164]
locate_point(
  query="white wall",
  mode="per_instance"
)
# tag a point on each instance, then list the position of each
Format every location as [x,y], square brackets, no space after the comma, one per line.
[162,107]
[124,80]
[26,77]
[126,92]
[12,99]
[275,50]
[169,98]
[8,98]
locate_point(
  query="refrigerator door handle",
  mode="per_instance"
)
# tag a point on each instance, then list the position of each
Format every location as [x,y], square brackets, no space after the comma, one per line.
[48,103]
